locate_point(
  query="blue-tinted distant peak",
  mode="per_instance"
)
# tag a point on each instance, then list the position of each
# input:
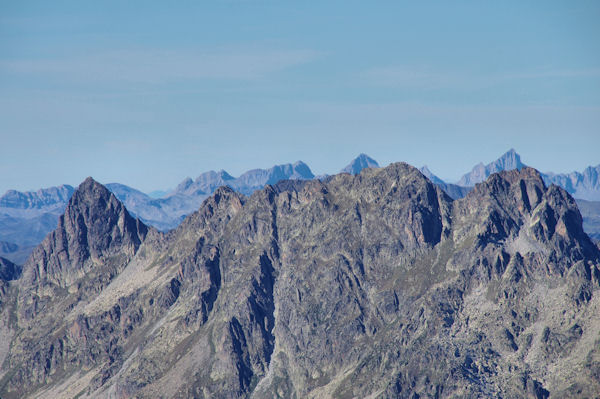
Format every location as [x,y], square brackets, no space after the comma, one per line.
[508,161]
[224,175]
[359,163]
[301,170]
[184,185]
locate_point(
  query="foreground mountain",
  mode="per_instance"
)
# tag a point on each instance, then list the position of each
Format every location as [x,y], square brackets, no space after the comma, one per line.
[375,285]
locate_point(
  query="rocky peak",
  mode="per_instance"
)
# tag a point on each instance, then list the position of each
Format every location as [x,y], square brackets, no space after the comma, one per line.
[95,226]
[508,161]
[184,185]
[214,211]
[210,181]
[401,196]
[515,208]
[359,163]
[507,196]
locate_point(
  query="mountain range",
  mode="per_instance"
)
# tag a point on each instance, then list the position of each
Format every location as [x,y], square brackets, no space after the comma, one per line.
[373,286]
[584,185]
[26,218]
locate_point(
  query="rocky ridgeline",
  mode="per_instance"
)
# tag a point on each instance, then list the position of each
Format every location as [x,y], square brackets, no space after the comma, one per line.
[375,285]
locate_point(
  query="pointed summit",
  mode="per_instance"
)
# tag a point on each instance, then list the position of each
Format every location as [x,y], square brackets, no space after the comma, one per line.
[359,163]
[95,226]
[508,161]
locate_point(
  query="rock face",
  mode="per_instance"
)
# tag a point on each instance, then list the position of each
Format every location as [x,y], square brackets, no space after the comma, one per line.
[374,285]
[8,272]
[95,226]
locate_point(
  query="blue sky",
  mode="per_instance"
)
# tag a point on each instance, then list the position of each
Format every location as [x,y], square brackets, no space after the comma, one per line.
[147,93]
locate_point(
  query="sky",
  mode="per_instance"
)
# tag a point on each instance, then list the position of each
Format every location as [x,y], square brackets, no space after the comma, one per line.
[146,93]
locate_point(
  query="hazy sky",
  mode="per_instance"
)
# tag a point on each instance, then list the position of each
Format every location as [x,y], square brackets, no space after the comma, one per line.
[146,93]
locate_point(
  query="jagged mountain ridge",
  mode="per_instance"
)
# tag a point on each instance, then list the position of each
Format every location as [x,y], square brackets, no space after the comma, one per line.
[584,185]
[376,284]
[43,199]
[26,218]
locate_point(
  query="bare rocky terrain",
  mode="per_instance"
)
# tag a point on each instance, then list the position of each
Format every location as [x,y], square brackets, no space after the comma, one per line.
[377,285]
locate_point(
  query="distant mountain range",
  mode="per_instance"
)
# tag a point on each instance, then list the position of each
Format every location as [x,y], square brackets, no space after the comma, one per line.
[509,161]
[584,185]
[26,217]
